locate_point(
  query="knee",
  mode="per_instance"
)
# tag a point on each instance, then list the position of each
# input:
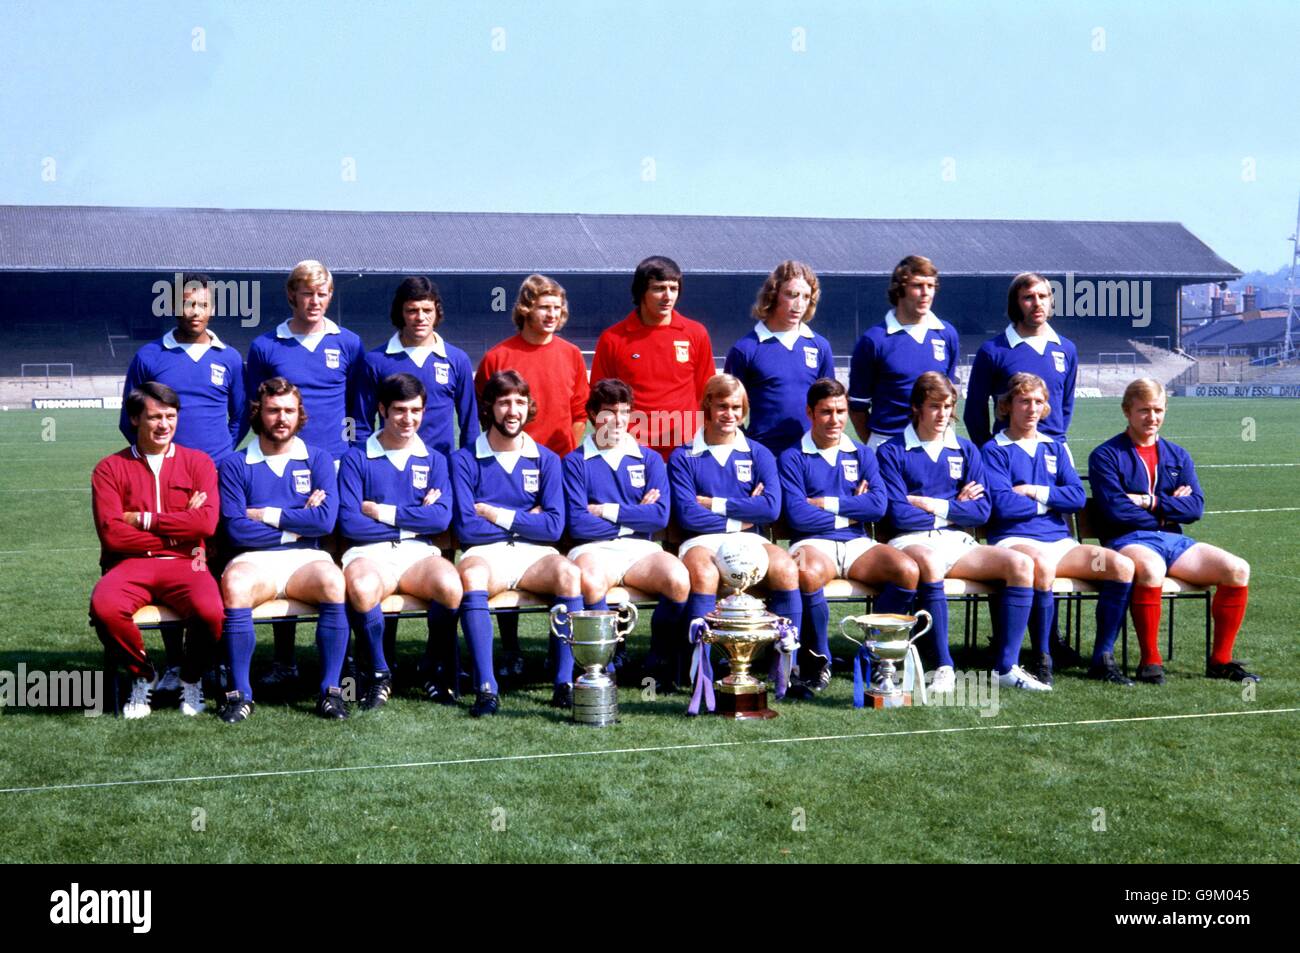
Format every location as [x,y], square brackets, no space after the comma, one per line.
[569,579]
[782,573]
[236,591]
[906,572]
[1021,572]
[333,588]
[1238,572]
[1122,568]
[593,584]
[363,592]
[679,584]
[103,606]
[474,579]
[448,591]
[929,569]
[1044,573]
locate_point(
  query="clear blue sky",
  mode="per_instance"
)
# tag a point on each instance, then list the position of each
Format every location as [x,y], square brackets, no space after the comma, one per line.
[1187,113]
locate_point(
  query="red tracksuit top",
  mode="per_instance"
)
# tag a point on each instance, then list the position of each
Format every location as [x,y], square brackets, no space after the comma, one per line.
[124,482]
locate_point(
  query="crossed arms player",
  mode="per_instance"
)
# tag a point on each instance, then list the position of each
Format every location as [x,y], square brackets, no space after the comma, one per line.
[394,498]
[279,498]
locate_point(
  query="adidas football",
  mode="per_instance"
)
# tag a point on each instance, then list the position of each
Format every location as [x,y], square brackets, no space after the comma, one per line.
[741,561]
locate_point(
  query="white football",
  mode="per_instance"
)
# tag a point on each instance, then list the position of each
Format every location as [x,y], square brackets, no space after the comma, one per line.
[741,561]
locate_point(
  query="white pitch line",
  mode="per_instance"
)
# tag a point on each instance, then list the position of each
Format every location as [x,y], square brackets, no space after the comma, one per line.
[1279,509]
[51,489]
[1242,466]
[499,759]
[37,552]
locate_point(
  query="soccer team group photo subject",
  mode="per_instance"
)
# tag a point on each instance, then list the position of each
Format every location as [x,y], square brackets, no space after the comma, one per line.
[324,473]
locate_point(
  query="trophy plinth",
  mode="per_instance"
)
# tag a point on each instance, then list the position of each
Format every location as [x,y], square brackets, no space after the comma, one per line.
[594,635]
[890,645]
[742,627]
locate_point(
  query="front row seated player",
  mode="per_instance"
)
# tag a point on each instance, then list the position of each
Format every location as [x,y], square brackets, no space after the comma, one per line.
[617,497]
[832,491]
[394,498]
[279,498]
[508,513]
[935,480]
[1146,489]
[1033,487]
[724,483]
[154,505]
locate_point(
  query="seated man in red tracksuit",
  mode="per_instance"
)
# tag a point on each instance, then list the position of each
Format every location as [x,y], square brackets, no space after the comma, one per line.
[154,504]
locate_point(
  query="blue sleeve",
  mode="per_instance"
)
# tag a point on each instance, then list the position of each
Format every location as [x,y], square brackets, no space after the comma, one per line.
[429,519]
[548,525]
[902,514]
[1067,398]
[871,506]
[954,352]
[766,507]
[316,521]
[687,511]
[367,399]
[976,414]
[355,385]
[1068,495]
[649,517]
[355,525]
[582,524]
[240,421]
[861,373]
[736,363]
[471,529]
[1009,505]
[1182,509]
[972,512]
[826,367]
[243,532]
[134,378]
[1108,490]
[804,518]
[466,403]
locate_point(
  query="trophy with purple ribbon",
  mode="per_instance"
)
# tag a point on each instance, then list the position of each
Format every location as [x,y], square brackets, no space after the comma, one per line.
[888,644]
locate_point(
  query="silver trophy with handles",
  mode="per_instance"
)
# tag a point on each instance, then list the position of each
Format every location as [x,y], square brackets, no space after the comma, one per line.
[593,635]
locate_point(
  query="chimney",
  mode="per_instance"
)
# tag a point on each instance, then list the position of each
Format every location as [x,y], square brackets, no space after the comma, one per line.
[1248,303]
[1216,301]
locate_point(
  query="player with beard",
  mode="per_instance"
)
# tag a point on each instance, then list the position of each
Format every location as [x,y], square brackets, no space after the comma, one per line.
[394,498]
[509,513]
[279,498]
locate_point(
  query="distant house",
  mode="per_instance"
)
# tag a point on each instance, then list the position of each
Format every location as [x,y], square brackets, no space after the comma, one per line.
[1253,335]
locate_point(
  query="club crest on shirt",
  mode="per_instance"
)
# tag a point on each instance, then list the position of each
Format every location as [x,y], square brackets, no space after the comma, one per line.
[636,474]
[1058,358]
[1051,462]
[683,349]
[937,344]
[954,467]
[302,481]
[218,372]
[441,372]
[332,357]
[810,357]
[850,465]
[419,476]
[531,480]
[744,470]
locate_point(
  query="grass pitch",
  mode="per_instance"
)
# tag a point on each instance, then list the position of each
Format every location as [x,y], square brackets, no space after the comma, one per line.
[823,782]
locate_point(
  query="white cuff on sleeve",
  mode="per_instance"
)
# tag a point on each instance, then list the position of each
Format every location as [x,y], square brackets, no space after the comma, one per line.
[831,504]
[841,522]
[941,510]
[387,513]
[271,516]
[288,537]
[505,518]
[719,505]
[146,520]
[733,526]
[1041,492]
[609,511]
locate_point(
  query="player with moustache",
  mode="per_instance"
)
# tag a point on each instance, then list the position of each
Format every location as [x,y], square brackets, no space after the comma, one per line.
[394,498]
[509,514]
[936,485]
[1147,491]
[279,499]
[155,504]
[781,357]
[725,483]
[617,497]
[832,493]
[1033,487]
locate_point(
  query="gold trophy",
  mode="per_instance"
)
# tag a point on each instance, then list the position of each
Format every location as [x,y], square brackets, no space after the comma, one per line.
[888,643]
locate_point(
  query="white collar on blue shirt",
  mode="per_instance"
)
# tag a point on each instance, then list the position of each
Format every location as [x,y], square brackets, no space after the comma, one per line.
[397,458]
[418,354]
[787,338]
[1029,446]
[627,447]
[846,445]
[720,451]
[932,448]
[277,462]
[930,322]
[194,349]
[309,341]
[1038,342]
[507,458]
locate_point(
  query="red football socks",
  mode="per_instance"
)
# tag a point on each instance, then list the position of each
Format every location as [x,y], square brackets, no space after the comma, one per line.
[1145,609]
[1228,609]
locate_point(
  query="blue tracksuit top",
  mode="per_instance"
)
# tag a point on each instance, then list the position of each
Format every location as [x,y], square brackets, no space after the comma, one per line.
[479,475]
[210,382]
[808,473]
[777,378]
[250,479]
[1115,469]
[326,367]
[886,362]
[1007,354]
[620,476]
[448,377]
[908,470]
[696,471]
[398,480]
[1042,463]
